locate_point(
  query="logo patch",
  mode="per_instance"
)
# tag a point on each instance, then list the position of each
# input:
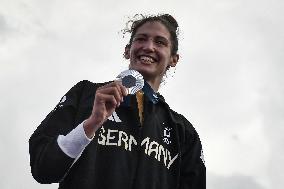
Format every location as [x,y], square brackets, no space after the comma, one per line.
[114,117]
[167,135]
[63,99]
[202,156]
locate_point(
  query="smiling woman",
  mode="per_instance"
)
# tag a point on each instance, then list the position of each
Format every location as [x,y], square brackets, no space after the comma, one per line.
[99,136]
[154,43]
[150,52]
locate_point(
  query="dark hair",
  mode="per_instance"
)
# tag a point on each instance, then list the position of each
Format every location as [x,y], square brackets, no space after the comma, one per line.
[167,20]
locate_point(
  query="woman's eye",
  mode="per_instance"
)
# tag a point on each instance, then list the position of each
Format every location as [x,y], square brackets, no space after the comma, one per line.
[160,42]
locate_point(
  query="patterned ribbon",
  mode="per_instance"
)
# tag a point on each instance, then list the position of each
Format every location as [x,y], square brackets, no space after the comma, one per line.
[140,99]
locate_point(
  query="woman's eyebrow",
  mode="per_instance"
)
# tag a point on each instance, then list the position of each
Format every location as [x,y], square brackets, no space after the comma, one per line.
[145,35]
[140,35]
[163,38]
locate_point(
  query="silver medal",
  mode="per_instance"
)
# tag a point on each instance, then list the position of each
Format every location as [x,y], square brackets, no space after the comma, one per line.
[132,80]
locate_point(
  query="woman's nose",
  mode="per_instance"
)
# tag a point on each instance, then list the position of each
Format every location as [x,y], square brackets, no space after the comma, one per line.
[149,45]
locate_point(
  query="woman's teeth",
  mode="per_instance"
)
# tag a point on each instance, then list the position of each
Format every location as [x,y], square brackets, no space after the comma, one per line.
[146,59]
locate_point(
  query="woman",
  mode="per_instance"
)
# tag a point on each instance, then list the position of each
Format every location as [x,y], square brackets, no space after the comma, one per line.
[98,136]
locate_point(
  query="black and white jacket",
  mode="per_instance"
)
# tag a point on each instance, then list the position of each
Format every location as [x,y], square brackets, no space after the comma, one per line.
[164,152]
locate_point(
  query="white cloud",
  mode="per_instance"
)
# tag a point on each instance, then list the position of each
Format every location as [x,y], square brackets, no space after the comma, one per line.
[233,182]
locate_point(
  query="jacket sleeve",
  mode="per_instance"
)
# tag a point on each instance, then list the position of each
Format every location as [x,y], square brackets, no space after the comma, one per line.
[193,170]
[48,162]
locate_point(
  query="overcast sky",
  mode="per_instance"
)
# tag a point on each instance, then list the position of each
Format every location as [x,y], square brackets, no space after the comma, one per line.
[229,80]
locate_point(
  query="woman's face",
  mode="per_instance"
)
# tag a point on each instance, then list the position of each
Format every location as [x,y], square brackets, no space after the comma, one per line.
[150,51]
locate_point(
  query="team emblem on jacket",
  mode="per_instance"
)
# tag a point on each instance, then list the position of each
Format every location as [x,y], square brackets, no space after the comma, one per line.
[63,99]
[60,104]
[202,156]
[167,135]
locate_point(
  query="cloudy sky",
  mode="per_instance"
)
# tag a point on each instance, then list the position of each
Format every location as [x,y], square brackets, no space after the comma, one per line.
[229,80]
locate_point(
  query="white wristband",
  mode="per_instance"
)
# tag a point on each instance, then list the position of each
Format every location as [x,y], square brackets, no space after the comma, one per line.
[74,143]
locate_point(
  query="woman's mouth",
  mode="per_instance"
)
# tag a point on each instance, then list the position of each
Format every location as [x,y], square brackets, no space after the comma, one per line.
[147,59]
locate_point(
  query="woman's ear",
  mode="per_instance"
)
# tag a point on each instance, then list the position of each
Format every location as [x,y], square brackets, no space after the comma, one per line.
[127,52]
[174,60]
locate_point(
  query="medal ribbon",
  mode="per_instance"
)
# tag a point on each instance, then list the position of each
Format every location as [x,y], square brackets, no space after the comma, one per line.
[140,99]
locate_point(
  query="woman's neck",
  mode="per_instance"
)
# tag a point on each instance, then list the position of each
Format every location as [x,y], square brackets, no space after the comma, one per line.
[155,84]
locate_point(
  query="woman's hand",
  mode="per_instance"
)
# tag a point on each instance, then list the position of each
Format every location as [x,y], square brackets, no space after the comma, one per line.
[107,98]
